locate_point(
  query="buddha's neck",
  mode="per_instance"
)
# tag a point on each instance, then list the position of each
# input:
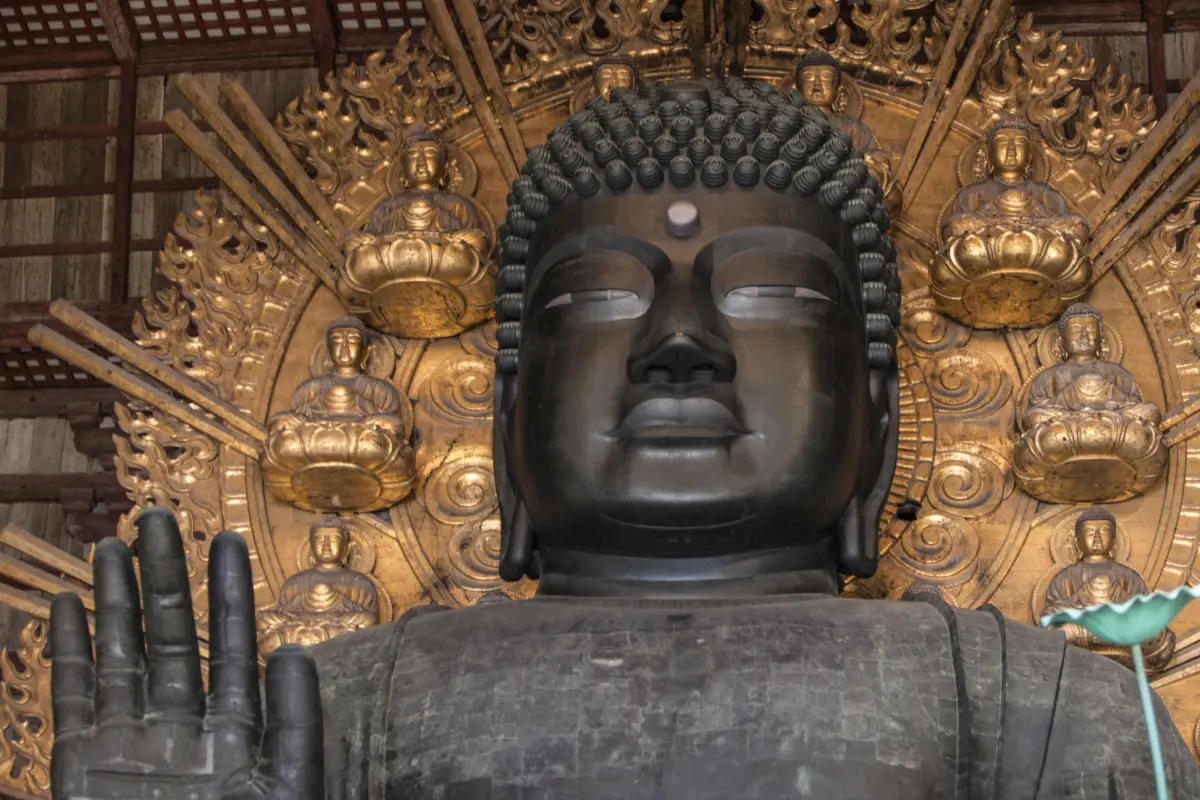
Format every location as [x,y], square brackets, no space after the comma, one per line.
[801,570]
[345,371]
[1010,177]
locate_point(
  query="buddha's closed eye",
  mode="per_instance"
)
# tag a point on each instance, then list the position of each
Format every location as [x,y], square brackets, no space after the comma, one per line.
[802,292]
[592,296]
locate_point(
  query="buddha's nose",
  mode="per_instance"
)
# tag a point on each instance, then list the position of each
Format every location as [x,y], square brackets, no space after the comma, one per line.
[682,358]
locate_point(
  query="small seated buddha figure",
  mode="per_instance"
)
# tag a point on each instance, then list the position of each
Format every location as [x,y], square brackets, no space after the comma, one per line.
[1086,433]
[343,444]
[612,72]
[1095,578]
[421,268]
[819,81]
[322,602]
[1012,253]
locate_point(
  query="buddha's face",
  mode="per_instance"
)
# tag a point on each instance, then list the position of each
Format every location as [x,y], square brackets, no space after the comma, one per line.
[328,545]
[612,76]
[424,165]
[345,347]
[819,85]
[1008,150]
[1095,538]
[690,396]
[1081,336]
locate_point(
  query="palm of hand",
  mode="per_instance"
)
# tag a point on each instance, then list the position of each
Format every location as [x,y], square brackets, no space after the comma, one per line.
[135,722]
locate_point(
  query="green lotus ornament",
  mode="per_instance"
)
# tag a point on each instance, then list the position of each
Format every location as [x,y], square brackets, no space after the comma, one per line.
[1129,624]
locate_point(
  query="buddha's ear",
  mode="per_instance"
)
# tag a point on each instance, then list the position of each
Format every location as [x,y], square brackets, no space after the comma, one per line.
[516,535]
[858,537]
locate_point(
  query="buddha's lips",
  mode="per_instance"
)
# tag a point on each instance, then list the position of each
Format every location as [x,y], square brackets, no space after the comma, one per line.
[683,417]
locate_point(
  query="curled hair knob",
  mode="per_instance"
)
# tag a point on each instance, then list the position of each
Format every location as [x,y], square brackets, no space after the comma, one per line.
[795,152]
[683,129]
[807,180]
[571,159]
[539,154]
[669,110]
[650,128]
[682,172]
[746,172]
[766,148]
[866,235]
[519,222]
[779,175]
[854,211]
[590,133]
[699,149]
[649,173]
[714,173]
[508,307]
[512,278]
[606,150]
[716,126]
[666,148]
[696,110]
[733,146]
[617,176]
[622,128]
[587,182]
[748,124]
[633,151]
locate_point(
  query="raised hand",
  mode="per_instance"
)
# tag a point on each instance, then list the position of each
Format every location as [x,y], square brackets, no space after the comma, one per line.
[136,724]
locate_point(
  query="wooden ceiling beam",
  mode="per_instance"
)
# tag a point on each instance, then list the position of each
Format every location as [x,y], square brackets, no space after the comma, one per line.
[122,33]
[324,33]
[41,403]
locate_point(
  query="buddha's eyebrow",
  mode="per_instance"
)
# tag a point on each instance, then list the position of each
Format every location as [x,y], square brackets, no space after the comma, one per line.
[604,241]
[814,250]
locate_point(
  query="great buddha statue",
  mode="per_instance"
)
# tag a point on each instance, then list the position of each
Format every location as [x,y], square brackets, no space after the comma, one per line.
[421,268]
[1086,434]
[1013,251]
[324,601]
[820,81]
[343,444]
[696,425]
[1097,577]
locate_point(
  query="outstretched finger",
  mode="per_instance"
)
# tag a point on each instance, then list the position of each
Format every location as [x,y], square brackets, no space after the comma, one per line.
[119,655]
[72,681]
[293,745]
[172,650]
[233,667]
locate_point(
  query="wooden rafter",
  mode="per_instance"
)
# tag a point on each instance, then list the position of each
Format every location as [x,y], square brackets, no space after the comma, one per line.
[118,24]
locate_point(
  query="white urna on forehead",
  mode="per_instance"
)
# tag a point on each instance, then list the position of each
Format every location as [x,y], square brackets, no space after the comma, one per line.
[717,136]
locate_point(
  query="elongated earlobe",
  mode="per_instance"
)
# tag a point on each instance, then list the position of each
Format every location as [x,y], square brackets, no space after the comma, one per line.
[858,537]
[516,544]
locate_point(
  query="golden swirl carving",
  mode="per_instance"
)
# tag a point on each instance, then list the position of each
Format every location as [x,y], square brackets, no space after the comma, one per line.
[460,391]
[474,553]
[970,482]
[460,486]
[963,382]
[927,330]
[481,341]
[940,546]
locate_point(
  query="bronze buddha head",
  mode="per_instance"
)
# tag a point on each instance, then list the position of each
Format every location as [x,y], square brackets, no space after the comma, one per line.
[424,162]
[329,541]
[706,337]
[614,72]
[1095,534]
[1009,147]
[1080,328]
[818,79]
[346,340]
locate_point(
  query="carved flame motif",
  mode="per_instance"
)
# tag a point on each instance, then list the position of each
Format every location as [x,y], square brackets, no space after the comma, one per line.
[903,37]
[1035,73]
[25,712]
[530,38]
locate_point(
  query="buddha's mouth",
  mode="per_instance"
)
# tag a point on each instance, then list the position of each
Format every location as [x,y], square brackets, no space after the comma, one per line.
[680,418]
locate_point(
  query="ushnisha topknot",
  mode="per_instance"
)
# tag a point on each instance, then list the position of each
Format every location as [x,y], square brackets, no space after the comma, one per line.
[348,322]
[741,137]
